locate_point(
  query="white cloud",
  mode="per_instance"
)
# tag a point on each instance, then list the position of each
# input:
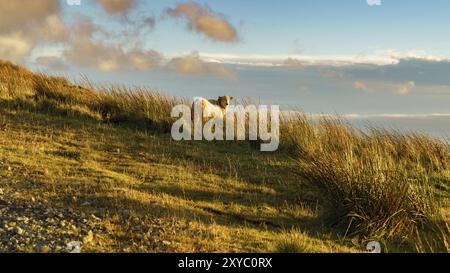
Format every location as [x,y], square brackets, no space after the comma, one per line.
[117,7]
[204,20]
[193,65]
[86,50]
[374,2]
[378,57]
[14,47]
[360,85]
[25,24]
[293,63]
[382,86]
[52,62]
[405,88]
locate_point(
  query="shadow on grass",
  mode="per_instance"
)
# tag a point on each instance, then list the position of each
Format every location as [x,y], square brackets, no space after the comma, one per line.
[227,160]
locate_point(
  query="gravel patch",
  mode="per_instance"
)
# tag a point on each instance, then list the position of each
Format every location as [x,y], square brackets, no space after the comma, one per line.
[27,226]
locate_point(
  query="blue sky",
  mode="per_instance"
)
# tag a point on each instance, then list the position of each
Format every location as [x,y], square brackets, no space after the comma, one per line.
[323,27]
[324,56]
[308,26]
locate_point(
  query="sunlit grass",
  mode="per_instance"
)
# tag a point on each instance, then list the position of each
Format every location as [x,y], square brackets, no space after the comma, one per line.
[378,184]
[329,188]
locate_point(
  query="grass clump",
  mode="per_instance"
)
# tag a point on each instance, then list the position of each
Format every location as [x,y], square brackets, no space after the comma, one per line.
[376,184]
[380,185]
[139,107]
[296,241]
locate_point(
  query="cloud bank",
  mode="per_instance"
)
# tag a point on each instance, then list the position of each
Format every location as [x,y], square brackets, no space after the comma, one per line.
[117,7]
[24,24]
[397,88]
[377,58]
[193,65]
[87,50]
[360,85]
[203,20]
[293,63]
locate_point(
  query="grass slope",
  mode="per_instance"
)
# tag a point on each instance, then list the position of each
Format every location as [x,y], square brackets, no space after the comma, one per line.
[76,165]
[203,196]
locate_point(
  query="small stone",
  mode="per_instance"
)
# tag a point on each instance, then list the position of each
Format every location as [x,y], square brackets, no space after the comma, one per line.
[89,237]
[4,181]
[45,249]
[95,218]
[138,228]
[125,213]
[101,213]
[19,231]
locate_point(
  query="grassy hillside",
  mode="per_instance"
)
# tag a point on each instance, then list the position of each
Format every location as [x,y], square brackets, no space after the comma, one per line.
[96,165]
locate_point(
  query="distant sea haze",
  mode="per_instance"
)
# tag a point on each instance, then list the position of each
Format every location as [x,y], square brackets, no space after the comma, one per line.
[436,125]
[411,95]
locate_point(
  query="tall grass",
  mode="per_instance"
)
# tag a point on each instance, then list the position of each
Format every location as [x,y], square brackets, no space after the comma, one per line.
[377,184]
[119,104]
[15,81]
[113,104]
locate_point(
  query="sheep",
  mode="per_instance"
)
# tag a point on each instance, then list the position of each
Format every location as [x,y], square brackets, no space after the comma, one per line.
[211,108]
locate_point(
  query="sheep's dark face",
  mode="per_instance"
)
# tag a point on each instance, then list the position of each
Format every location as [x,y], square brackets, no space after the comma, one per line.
[224,101]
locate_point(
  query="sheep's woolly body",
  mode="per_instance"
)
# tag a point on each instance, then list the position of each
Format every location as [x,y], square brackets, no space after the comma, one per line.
[212,108]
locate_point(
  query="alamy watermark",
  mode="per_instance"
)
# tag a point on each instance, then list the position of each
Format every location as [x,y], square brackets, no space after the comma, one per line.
[73,247]
[374,247]
[73,2]
[204,121]
[374,2]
